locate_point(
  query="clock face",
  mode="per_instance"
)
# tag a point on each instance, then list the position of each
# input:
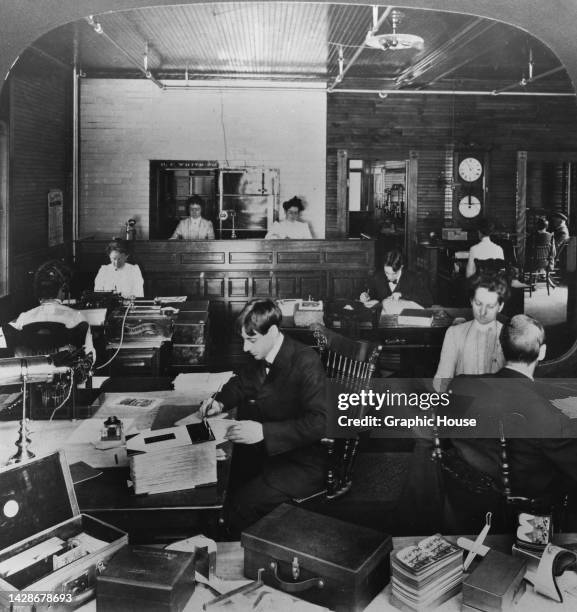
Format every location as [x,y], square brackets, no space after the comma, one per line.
[469,206]
[470,169]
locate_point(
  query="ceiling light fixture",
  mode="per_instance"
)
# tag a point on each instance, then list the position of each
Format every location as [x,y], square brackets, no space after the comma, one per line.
[394,41]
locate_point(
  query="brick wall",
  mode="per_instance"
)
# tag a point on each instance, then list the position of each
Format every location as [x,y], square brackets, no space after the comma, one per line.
[126,123]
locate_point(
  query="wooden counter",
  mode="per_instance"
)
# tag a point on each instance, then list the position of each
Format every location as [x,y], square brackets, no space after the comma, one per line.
[230,272]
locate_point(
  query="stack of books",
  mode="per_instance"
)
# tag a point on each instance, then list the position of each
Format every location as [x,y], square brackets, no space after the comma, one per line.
[426,574]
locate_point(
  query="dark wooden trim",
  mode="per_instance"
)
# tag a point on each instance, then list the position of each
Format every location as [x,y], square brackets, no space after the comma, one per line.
[342,194]
[411,212]
[521,205]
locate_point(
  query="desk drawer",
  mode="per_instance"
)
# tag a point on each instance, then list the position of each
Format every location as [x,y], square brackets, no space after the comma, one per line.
[136,361]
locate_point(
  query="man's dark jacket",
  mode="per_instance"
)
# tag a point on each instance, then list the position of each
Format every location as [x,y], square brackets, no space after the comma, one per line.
[412,286]
[291,404]
[541,440]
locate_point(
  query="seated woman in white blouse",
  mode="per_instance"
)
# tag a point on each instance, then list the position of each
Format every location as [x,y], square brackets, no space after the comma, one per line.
[484,249]
[118,275]
[291,227]
[473,347]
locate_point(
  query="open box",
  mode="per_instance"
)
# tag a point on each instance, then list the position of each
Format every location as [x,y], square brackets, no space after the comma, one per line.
[45,543]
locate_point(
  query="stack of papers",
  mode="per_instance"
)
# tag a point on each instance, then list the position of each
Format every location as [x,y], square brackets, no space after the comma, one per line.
[416,317]
[203,384]
[172,459]
[395,307]
[427,574]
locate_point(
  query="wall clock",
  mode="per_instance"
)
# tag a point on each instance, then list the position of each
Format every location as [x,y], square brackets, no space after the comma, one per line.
[469,206]
[470,169]
[471,174]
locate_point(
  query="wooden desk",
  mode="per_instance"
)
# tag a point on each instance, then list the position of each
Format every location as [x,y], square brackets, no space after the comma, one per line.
[147,518]
[400,342]
[162,517]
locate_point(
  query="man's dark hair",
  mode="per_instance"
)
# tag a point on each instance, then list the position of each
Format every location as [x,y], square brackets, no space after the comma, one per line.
[521,339]
[486,227]
[495,282]
[394,259]
[195,199]
[48,289]
[258,316]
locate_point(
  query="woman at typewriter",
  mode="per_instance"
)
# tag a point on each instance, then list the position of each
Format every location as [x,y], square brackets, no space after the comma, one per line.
[52,310]
[119,276]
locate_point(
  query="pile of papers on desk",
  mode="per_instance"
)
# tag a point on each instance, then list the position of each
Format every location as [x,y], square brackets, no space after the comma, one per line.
[172,459]
[200,384]
[426,574]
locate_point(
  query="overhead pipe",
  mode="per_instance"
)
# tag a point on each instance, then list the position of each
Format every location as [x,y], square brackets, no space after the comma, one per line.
[97,27]
[376,25]
[470,32]
[524,81]
[451,92]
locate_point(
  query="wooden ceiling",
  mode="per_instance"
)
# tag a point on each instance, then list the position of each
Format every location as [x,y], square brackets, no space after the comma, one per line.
[302,42]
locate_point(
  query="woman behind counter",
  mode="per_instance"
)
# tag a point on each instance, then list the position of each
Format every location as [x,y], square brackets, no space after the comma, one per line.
[118,275]
[291,227]
[195,226]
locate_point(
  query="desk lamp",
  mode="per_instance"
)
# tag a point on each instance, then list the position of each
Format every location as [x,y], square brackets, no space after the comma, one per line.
[37,369]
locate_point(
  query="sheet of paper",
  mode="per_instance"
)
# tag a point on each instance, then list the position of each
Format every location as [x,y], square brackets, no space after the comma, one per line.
[394,307]
[567,405]
[204,383]
[114,457]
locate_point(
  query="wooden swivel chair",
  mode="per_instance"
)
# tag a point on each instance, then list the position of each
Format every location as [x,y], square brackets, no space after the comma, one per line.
[350,364]
[47,338]
[538,263]
[44,338]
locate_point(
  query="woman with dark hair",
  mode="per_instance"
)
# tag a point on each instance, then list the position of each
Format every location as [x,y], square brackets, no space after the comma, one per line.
[195,226]
[485,248]
[291,227]
[118,275]
[473,347]
[542,238]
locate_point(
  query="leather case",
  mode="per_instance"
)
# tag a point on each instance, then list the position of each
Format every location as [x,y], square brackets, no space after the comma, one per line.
[39,504]
[144,579]
[318,558]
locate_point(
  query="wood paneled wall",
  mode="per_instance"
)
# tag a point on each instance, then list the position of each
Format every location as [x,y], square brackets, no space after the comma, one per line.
[40,118]
[372,128]
[230,272]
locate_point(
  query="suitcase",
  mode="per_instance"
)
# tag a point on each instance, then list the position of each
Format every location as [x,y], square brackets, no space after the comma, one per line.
[46,545]
[321,559]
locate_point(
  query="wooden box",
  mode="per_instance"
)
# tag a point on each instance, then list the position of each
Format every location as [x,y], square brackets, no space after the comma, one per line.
[144,579]
[323,560]
[40,511]
[496,583]
[190,328]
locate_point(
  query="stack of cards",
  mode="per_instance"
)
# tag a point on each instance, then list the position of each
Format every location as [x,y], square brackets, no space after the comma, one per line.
[172,459]
[426,574]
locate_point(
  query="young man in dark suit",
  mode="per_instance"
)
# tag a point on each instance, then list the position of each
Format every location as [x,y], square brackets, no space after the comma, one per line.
[281,400]
[396,282]
[541,440]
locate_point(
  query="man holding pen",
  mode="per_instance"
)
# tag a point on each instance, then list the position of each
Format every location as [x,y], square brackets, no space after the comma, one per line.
[281,403]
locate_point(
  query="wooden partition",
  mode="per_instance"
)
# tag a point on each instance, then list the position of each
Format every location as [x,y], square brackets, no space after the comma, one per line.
[230,272]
